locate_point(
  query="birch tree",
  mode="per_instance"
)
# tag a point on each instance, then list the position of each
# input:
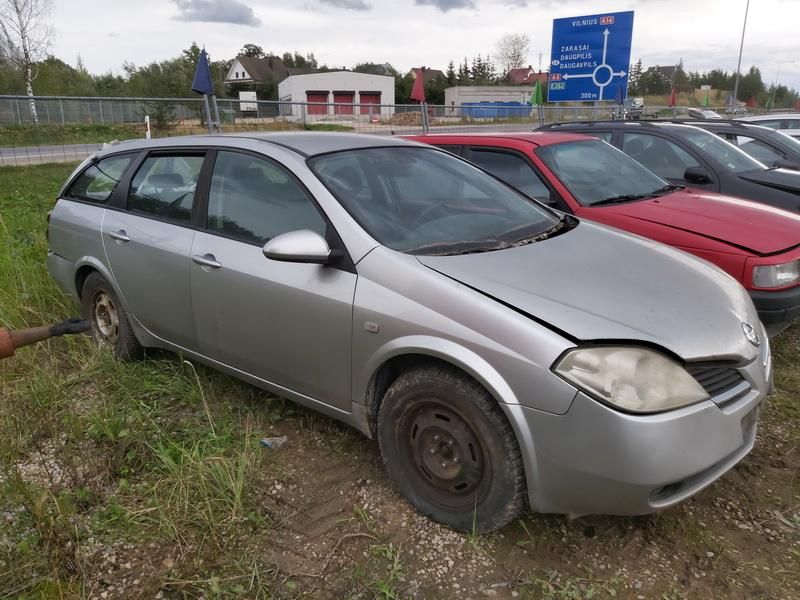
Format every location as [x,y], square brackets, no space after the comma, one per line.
[25,38]
[512,51]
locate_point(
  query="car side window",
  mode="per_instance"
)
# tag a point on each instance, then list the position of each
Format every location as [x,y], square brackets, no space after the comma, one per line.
[512,169]
[164,187]
[661,156]
[606,136]
[792,124]
[253,200]
[98,182]
[775,124]
[758,149]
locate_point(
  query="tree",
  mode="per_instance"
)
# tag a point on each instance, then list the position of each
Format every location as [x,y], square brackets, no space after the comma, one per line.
[376,69]
[634,74]
[512,51]
[451,73]
[463,73]
[26,38]
[751,86]
[298,61]
[252,50]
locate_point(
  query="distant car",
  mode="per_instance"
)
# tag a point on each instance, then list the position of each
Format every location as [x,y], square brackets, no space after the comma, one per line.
[633,108]
[788,123]
[703,113]
[768,146]
[592,180]
[687,155]
[503,354]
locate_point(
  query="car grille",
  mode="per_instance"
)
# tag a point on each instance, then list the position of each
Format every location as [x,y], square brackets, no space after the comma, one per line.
[716,380]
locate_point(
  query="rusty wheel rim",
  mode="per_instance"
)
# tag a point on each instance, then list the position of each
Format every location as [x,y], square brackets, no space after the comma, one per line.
[105,319]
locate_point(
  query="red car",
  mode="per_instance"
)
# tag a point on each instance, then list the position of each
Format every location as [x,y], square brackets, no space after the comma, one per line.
[757,244]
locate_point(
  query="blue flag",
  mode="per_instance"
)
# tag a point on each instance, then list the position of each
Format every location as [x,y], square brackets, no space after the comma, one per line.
[202,76]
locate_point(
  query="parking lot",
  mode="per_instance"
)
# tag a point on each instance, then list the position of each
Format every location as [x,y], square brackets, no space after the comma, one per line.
[149,480]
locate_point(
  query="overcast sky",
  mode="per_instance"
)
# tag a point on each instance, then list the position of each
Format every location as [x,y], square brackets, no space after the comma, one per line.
[407,33]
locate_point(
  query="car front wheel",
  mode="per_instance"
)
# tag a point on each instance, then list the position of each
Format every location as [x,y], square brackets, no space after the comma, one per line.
[449,448]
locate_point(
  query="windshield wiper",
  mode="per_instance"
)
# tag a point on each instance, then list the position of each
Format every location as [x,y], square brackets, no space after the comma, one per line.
[620,198]
[670,187]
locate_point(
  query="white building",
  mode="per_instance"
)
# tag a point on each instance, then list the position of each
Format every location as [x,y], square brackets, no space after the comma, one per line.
[338,93]
[464,94]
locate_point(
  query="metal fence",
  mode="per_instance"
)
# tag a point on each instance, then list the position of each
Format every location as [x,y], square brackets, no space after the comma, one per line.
[70,128]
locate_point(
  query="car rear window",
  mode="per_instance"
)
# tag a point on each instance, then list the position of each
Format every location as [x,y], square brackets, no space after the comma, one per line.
[98,182]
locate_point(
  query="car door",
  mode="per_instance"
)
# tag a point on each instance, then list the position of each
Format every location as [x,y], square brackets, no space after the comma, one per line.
[289,324]
[666,159]
[147,240]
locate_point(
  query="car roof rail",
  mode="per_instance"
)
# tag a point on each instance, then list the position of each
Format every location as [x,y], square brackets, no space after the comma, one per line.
[644,122]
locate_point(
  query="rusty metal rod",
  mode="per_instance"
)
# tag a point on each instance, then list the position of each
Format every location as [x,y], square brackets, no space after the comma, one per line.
[11,340]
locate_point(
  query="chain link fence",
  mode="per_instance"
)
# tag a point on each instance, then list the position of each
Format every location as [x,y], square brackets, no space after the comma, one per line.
[71,128]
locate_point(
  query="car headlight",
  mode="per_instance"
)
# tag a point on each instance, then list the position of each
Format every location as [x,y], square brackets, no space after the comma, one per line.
[630,378]
[772,276]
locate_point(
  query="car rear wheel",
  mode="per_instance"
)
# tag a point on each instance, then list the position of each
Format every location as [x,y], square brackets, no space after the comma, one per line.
[110,326]
[448,447]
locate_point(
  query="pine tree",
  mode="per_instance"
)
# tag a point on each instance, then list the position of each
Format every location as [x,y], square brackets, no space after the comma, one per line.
[451,73]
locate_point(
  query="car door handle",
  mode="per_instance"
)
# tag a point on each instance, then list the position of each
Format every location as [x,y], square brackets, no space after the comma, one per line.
[207,260]
[120,235]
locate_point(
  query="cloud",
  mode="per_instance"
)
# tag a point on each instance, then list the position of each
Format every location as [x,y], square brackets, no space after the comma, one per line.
[445,5]
[216,11]
[348,4]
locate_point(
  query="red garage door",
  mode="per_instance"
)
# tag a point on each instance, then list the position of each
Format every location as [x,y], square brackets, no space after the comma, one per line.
[343,98]
[368,99]
[317,109]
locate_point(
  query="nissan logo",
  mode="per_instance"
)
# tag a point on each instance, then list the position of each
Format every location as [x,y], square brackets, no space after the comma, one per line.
[751,334]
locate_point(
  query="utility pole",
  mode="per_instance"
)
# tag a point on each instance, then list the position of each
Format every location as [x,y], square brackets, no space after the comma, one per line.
[734,98]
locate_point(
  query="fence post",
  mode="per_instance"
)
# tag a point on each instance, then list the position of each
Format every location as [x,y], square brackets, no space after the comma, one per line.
[102,119]
[19,114]
[61,110]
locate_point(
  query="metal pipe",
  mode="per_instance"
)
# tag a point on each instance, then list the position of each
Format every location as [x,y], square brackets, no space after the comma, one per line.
[11,340]
[735,97]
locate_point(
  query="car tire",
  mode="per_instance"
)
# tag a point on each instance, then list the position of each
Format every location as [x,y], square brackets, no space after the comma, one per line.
[450,450]
[109,322]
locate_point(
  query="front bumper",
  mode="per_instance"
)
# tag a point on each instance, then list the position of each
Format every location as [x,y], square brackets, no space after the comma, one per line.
[596,460]
[779,307]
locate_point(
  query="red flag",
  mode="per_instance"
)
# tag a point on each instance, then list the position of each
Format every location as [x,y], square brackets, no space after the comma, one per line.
[418,91]
[672,98]
[752,102]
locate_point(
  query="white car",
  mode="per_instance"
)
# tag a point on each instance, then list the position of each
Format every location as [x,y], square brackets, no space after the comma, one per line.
[788,123]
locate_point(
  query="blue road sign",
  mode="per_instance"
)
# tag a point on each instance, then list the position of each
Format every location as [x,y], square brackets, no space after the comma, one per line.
[590,57]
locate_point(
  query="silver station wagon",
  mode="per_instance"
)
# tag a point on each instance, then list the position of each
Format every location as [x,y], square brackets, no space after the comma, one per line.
[504,355]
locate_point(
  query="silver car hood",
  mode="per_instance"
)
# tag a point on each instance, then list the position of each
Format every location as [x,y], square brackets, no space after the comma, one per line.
[596,283]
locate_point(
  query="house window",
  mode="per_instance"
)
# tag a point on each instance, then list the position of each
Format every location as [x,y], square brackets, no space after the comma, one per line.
[237,74]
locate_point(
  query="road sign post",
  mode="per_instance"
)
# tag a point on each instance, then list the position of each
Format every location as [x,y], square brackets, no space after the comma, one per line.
[590,57]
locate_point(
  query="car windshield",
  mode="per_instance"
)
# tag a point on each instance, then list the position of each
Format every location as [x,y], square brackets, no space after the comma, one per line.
[793,142]
[723,152]
[425,201]
[597,173]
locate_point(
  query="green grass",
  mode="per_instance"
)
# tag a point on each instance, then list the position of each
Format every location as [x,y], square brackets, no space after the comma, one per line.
[94,452]
[51,135]
[54,135]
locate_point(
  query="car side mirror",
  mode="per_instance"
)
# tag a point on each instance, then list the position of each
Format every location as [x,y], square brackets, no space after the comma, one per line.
[785,163]
[697,175]
[301,246]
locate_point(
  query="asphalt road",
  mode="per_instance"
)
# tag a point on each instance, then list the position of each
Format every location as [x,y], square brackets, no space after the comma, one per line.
[36,155]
